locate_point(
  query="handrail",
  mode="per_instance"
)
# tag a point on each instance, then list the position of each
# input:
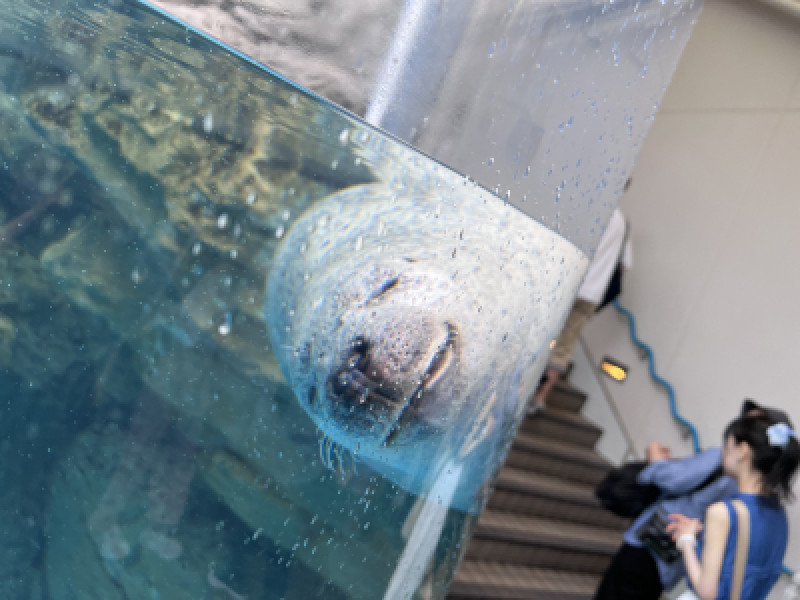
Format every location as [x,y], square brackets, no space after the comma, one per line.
[673,405]
[651,362]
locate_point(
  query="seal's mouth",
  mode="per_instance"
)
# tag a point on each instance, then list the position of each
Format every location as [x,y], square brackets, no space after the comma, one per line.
[364,388]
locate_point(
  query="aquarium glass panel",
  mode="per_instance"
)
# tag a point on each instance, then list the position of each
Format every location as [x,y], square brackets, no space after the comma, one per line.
[251,346]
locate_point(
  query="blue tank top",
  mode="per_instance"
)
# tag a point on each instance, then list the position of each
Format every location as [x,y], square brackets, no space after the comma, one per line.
[769,536]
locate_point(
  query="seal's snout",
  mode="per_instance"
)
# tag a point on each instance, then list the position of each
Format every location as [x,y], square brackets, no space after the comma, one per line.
[392,384]
[360,384]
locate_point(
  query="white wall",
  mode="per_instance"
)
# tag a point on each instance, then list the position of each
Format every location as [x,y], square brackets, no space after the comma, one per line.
[715,211]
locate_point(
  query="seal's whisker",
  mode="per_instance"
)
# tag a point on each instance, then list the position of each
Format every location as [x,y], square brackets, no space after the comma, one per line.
[332,455]
[329,455]
[322,441]
[338,454]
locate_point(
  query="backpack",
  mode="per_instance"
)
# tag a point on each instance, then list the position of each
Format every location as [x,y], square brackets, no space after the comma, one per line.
[620,493]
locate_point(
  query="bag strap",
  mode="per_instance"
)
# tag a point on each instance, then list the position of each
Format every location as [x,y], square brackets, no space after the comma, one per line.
[742,547]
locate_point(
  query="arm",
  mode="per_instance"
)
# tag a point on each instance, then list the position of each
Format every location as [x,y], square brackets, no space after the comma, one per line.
[681,476]
[704,574]
[657,451]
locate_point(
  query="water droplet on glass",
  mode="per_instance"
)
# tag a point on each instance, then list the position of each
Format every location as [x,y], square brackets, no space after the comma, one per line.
[285,215]
[222,221]
[251,198]
[208,122]
[279,231]
[344,135]
[491,161]
[527,171]
[492,49]
[136,276]
[359,243]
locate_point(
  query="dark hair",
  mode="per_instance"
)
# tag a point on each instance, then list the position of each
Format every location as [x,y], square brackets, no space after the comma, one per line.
[776,464]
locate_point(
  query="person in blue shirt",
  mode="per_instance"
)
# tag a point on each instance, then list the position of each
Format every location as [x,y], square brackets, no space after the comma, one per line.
[688,487]
[761,455]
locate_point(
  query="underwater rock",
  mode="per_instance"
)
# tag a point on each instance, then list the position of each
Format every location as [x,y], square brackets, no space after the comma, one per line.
[20,530]
[7,335]
[310,540]
[136,559]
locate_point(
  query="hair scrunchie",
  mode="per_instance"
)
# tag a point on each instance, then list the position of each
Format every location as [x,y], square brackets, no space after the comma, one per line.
[779,434]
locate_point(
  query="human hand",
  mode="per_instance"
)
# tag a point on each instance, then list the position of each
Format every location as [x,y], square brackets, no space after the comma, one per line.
[550,379]
[657,451]
[681,525]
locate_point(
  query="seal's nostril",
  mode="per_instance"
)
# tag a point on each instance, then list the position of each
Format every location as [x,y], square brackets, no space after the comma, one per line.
[359,354]
[359,345]
[312,395]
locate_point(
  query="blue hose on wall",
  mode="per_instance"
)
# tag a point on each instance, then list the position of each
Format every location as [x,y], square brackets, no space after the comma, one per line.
[651,363]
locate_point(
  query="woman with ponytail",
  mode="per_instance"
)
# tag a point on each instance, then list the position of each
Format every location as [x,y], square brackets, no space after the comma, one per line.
[762,455]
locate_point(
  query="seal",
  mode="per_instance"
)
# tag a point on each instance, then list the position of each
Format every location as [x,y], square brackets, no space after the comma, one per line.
[412,322]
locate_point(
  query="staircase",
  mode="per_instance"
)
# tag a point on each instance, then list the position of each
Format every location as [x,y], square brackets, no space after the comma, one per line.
[543,534]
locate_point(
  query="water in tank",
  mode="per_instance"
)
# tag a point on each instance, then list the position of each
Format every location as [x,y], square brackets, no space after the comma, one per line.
[253,346]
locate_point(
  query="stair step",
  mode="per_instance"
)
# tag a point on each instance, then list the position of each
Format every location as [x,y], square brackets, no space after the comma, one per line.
[476,579]
[535,494]
[537,542]
[566,397]
[559,424]
[553,457]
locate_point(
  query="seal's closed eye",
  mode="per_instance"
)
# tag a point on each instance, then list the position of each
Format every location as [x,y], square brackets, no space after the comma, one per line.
[384,288]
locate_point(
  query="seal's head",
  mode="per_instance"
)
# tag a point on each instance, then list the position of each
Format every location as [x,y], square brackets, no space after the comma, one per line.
[409,322]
